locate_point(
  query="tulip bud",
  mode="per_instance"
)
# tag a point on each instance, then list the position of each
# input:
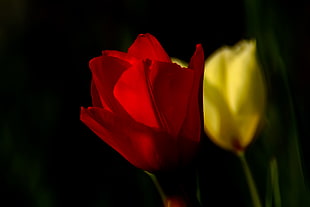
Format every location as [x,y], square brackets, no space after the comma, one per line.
[233,96]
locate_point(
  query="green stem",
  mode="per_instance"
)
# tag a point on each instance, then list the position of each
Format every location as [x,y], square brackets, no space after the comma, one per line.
[253,190]
[269,189]
[198,192]
[275,182]
[173,191]
[158,187]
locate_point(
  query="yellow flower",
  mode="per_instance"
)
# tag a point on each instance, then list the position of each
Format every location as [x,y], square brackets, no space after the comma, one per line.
[233,96]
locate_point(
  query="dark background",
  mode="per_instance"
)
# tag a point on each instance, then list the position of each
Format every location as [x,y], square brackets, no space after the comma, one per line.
[49,158]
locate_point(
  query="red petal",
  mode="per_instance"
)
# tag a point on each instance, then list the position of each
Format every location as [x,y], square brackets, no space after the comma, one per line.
[106,72]
[197,61]
[171,86]
[132,92]
[120,55]
[142,146]
[95,95]
[192,125]
[146,46]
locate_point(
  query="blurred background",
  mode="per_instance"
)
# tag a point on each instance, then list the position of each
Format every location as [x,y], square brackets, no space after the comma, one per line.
[49,158]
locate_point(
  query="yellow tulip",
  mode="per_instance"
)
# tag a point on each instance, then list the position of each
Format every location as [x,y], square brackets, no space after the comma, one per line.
[233,96]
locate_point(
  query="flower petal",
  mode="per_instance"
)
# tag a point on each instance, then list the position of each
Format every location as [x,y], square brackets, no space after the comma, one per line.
[246,92]
[216,70]
[218,120]
[132,92]
[146,46]
[120,55]
[95,95]
[142,146]
[170,86]
[105,73]
[191,126]
[181,63]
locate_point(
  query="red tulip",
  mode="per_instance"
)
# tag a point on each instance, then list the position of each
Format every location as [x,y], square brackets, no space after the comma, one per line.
[145,106]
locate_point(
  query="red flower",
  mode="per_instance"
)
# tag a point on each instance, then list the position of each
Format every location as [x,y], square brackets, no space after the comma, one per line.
[145,106]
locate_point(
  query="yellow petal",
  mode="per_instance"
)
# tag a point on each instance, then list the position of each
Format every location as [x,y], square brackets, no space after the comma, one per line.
[179,62]
[215,70]
[218,122]
[246,90]
[234,95]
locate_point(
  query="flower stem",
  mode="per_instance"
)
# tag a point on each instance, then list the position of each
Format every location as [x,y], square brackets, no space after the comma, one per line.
[158,187]
[198,192]
[252,187]
[173,190]
[275,182]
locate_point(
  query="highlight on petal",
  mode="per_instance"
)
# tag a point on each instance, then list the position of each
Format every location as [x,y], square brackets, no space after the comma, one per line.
[179,62]
[106,72]
[146,46]
[132,92]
